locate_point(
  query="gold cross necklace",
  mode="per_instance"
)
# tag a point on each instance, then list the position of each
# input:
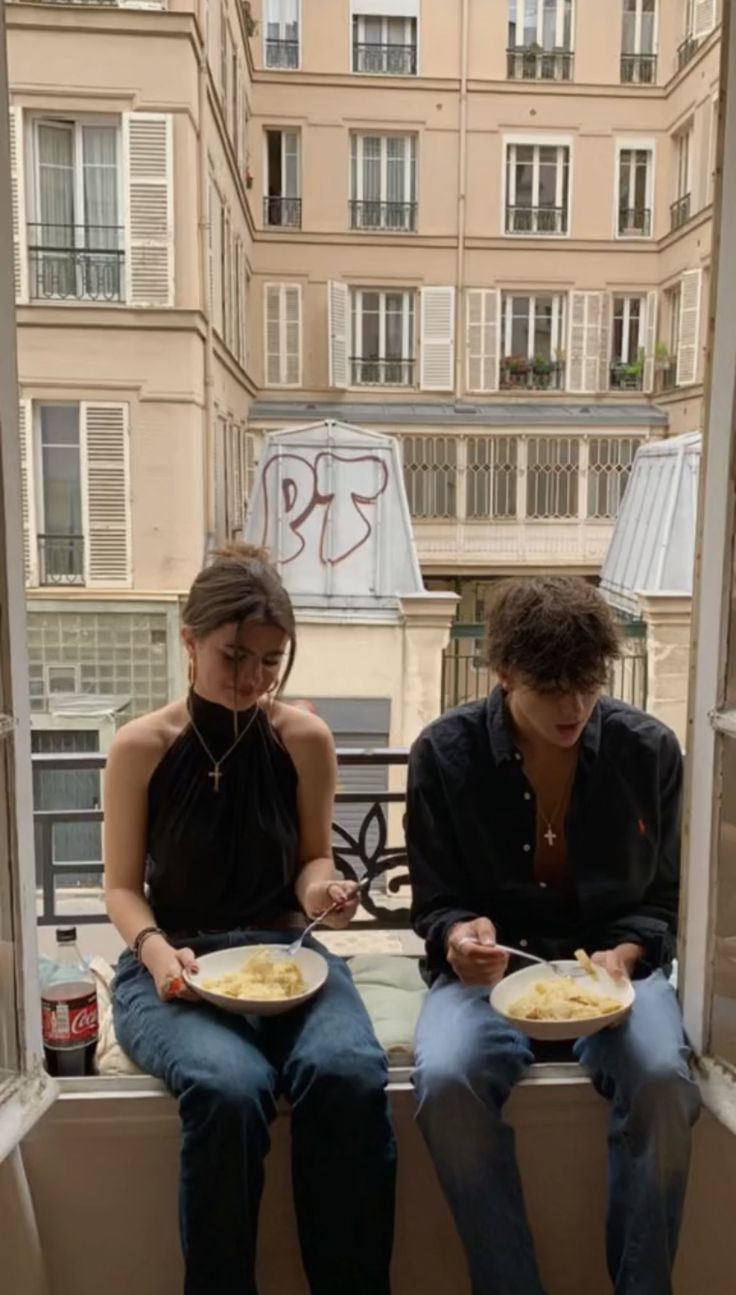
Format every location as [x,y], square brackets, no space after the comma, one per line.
[215,773]
[550,835]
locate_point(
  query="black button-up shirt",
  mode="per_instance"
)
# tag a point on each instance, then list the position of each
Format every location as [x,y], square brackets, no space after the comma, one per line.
[471,835]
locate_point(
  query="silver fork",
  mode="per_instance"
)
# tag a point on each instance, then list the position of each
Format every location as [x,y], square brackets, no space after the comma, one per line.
[296,945]
[519,953]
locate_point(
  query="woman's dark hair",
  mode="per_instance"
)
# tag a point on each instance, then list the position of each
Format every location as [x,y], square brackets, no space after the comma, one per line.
[241,585]
[555,631]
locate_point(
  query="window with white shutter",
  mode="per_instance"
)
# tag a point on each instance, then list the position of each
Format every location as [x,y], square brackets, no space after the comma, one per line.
[17,200]
[106,493]
[28,492]
[337,327]
[437,339]
[584,350]
[283,334]
[483,338]
[533,341]
[704,18]
[650,339]
[150,216]
[627,343]
[689,328]
[382,338]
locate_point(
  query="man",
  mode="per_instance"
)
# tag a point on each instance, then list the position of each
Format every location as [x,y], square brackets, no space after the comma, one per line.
[546,817]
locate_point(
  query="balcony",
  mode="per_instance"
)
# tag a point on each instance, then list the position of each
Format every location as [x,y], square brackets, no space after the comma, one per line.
[61,559]
[519,374]
[282,53]
[635,222]
[638,69]
[626,377]
[680,211]
[666,377]
[381,373]
[394,217]
[385,60]
[536,220]
[63,266]
[282,212]
[451,544]
[686,52]
[535,64]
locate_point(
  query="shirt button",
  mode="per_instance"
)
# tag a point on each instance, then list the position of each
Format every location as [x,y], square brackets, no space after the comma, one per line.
[517,755]
[542,885]
[527,848]
[527,795]
[523,944]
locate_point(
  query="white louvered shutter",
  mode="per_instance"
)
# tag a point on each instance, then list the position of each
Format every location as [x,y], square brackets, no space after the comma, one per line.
[705,18]
[584,358]
[482,340]
[150,214]
[687,344]
[604,361]
[142,4]
[283,334]
[337,325]
[437,368]
[17,199]
[650,340]
[106,494]
[28,492]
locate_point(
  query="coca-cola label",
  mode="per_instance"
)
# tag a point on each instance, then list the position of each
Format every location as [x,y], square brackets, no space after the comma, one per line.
[70,1024]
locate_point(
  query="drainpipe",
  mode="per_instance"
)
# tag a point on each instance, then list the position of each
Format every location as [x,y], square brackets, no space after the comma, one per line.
[208,429]
[461,198]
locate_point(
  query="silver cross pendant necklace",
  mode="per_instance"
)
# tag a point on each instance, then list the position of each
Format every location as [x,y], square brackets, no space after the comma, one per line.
[216,773]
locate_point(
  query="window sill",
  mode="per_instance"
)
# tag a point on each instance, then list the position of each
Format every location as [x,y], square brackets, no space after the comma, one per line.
[28,1099]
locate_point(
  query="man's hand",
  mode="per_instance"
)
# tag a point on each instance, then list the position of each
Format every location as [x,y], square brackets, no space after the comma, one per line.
[621,961]
[472,952]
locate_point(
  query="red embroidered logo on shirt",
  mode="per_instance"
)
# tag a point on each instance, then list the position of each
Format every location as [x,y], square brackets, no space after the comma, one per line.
[642,827]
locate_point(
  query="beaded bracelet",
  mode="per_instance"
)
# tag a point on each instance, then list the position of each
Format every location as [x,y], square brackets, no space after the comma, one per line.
[142,936]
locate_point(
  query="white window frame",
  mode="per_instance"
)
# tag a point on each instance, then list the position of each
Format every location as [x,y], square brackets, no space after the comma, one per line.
[267,21]
[408,335]
[282,288]
[638,24]
[283,131]
[520,6]
[411,178]
[632,144]
[508,187]
[683,140]
[358,16]
[628,298]
[37,481]
[559,314]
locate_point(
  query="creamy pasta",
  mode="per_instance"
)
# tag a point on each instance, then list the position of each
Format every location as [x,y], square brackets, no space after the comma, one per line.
[561,999]
[260,977]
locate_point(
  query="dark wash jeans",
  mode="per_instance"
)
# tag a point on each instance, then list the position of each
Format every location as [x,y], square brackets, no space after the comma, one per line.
[228,1072]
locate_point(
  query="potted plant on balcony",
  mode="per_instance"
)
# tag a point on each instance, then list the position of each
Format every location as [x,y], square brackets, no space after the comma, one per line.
[661,357]
[628,375]
[514,370]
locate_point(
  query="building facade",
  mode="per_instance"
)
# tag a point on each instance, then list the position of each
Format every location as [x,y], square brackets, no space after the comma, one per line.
[483,227]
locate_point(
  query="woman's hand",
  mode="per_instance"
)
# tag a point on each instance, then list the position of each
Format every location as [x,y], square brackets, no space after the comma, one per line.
[320,895]
[472,953]
[166,965]
[619,962]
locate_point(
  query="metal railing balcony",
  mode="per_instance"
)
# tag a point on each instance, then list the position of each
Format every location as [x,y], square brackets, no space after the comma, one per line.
[536,220]
[399,217]
[625,376]
[282,212]
[638,69]
[76,262]
[381,373]
[532,375]
[680,211]
[282,53]
[61,559]
[686,51]
[385,60]
[534,64]
[636,221]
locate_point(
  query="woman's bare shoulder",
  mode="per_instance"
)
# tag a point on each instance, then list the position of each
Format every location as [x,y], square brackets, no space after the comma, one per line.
[300,727]
[148,738]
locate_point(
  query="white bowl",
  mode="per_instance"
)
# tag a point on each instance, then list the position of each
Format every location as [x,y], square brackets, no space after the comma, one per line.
[312,965]
[512,987]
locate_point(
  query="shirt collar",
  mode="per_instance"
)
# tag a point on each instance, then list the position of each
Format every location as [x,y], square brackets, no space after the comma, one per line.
[501,739]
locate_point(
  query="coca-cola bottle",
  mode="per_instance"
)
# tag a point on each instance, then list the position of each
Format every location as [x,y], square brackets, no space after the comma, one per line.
[69,1010]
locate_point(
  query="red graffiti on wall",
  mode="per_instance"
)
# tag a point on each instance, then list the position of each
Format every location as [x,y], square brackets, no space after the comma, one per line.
[293,488]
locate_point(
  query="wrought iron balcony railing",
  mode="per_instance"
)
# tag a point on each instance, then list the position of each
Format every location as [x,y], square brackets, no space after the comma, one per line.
[533,64]
[680,211]
[282,212]
[385,60]
[625,376]
[61,559]
[638,69]
[394,216]
[666,377]
[382,373]
[532,375]
[282,53]
[359,852]
[76,262]
[536,220]
[686,51]
[635,221]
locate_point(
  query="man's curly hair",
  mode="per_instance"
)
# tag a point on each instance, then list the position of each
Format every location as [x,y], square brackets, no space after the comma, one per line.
[557,632]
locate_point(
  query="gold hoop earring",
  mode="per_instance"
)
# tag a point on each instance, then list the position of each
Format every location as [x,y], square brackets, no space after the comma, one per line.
[191,671]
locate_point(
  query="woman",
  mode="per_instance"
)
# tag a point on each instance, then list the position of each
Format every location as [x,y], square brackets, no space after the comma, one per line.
[217,828]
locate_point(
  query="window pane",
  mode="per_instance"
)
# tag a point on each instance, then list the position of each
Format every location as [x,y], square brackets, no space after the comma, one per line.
[520,332]
[524,174]
[543,328]
[552,477]
[99,159]
[56,185]
[60,470]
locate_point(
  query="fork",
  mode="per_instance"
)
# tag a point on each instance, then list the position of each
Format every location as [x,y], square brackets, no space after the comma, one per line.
[519,953]
[296,944]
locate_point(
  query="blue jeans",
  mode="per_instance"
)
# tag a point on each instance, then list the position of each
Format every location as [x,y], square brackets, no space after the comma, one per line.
[228,1072]
[467,1060]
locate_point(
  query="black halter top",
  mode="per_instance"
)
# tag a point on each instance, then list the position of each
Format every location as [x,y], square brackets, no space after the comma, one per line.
[220,860]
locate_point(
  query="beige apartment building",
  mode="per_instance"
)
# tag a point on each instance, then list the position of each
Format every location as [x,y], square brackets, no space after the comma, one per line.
[481,226]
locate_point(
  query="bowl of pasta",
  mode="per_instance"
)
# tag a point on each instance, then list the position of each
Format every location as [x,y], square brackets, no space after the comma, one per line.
[258,979]
[546,1005]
